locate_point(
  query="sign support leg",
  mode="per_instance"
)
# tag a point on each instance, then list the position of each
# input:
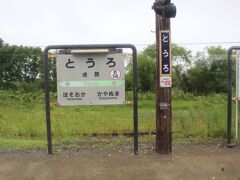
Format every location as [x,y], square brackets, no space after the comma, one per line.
[47,102]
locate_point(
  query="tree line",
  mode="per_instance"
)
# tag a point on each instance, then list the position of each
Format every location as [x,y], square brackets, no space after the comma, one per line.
[202,74]
[21,68]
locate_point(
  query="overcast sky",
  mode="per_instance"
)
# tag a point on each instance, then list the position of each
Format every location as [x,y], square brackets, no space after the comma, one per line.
[45,22]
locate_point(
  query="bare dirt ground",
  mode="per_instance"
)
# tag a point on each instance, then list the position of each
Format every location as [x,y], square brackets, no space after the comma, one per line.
[187,162]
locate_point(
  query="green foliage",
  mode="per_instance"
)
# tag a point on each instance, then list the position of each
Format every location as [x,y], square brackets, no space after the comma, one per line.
[150,52]
[129,77]
[179,95]
[19,97]
[1,42]
[7,65]
[147,68]
[180,53]
[18,64]
[146,71]
[141,96]
[208,75]
[181,61]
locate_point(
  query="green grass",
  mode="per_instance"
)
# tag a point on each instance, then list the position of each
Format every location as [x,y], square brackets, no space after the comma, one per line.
[6,143]
[203,118]
[22,119]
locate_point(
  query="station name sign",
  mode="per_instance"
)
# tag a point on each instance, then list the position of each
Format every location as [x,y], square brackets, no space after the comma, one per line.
[165,59]
[91,78]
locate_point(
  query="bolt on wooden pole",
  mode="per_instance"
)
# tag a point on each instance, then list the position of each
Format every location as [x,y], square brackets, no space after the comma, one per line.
[164,11]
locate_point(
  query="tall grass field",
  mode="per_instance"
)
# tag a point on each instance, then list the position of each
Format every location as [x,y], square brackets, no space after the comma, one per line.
[22,116]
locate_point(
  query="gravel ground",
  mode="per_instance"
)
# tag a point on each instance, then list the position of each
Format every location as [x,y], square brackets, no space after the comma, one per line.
[186,162]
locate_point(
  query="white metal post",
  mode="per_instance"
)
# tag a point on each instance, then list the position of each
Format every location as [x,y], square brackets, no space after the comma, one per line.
[237,94]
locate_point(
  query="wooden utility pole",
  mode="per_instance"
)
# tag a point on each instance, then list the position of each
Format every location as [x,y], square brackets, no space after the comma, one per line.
[164,11]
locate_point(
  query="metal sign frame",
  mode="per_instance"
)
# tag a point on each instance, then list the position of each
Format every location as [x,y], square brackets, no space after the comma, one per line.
[229,105]
[85,47]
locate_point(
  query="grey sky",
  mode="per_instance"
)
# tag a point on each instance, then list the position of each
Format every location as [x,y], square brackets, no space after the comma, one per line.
[45,22]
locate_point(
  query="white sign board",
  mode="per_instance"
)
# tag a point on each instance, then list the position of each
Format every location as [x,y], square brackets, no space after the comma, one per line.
[165,81]
[91,79]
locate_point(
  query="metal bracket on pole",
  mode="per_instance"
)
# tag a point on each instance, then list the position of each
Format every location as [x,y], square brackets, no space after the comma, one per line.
[167,10]
[164,106]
